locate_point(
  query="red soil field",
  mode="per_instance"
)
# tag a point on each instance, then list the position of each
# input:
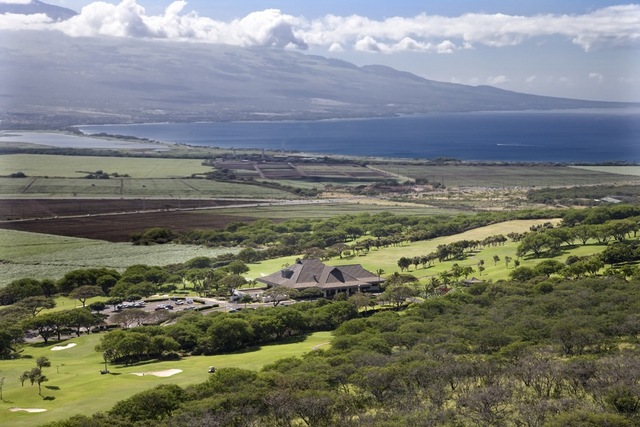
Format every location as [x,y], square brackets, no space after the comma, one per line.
[105,220]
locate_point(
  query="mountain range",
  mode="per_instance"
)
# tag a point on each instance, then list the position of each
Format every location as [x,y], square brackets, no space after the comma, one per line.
[50,79]
[56,13]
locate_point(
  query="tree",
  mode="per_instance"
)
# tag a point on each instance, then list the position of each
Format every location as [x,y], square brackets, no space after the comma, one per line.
[522,274]
[398,294]
[20,289]
[227,334]
[98,306]
[278,294]
[126,346]
[129,317]
[83,293]
[82,318]
[35,375]
[548,267]
[507,260]
[537,243]
[1,387]
[46,325]
[246,299]
[496,259]
[404,263]
[237,267]
[155,404]
[199,262]
[10,334]
[34,305]
[232,281]
[360,300]
[43,362]
[202,279]
[583,233]
[82,277]
[249,255]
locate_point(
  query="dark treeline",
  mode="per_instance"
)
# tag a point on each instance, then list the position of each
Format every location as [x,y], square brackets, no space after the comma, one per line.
[586,195]
[546,352]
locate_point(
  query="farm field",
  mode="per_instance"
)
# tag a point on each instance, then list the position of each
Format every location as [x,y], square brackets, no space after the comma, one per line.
[35,187]
[56,207]
[43,256]
[297,171]
[78,166]
[118,228]
[93,219]
[77,387]
[622,170]
[509,176]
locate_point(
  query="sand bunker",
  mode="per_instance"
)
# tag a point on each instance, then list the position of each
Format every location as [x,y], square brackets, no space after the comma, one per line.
[166,373]
[27,409]
[63,347]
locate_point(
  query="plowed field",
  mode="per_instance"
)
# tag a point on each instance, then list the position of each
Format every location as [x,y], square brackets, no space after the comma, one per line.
[112,220]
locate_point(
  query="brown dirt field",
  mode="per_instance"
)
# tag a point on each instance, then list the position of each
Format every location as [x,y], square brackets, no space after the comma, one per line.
[113,220]
[119,227]
[46,208]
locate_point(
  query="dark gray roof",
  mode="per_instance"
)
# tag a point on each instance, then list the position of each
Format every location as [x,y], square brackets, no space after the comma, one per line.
[310,273]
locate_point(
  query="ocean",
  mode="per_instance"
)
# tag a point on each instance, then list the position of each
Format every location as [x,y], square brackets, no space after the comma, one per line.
[586,136]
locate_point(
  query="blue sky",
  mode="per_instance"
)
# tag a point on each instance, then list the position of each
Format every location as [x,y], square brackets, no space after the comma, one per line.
[581,49]
[229,9]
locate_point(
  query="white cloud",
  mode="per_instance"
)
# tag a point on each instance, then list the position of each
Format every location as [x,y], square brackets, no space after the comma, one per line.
[10,21]
[596,77]
[16,1]
[531,79]
[497,80]
[336,47]
[617,26]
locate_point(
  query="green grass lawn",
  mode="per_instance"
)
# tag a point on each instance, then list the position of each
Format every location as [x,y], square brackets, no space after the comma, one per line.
[387,258]
[76,386]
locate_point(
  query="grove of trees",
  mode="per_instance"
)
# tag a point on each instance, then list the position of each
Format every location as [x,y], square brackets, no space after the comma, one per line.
[543,352]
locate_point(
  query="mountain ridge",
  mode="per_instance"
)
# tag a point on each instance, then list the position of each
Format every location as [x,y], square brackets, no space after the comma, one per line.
[56,13]
[57,80]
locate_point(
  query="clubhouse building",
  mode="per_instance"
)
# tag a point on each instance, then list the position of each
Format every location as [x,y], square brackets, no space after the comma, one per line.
[331,280]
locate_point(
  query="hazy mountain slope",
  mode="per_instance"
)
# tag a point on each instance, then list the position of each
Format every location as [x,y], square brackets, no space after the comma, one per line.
[56,13]
[49,78]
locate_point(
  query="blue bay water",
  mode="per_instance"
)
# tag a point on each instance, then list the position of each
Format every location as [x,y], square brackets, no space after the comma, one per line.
[559,136]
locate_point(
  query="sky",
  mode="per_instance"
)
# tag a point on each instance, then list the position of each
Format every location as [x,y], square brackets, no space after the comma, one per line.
[585,49]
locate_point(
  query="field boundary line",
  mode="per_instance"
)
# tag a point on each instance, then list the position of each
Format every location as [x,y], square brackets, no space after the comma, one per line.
[24,191]
[190,186]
